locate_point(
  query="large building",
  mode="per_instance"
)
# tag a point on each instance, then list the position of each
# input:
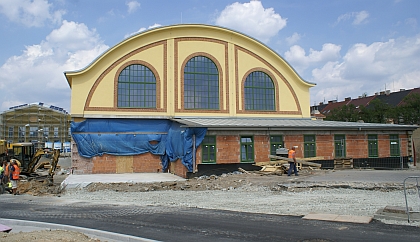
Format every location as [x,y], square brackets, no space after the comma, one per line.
[46,126]
[196,98]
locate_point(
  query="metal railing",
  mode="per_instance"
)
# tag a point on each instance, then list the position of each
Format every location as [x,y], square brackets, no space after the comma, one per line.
[405,195]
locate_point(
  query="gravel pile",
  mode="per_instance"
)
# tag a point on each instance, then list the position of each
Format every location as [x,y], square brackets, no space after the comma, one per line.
[258,199]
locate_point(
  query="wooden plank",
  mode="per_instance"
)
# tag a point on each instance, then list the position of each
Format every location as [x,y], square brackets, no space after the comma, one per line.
[313,158]
[124,164]
[242,170]
[271,168]
[273,162]
[303,162]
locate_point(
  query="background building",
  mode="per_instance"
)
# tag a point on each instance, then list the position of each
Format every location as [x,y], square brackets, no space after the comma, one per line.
[199,98]
[44,125]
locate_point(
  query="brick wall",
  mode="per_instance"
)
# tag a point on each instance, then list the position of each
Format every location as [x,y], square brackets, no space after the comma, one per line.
[147,162]
[178,168]
[383,146]
[261,148]
[294,140]
[110,164]
[105,164]
[325,146]
[357,146]
[80,165]
[228,149]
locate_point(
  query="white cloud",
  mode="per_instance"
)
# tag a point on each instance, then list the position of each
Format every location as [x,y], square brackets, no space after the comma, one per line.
[358,17]
[37,74]
[132,6]
[252,19]
[297,57]
[141,30]
[412,22]
[370,68]
[293,39]
[31,13]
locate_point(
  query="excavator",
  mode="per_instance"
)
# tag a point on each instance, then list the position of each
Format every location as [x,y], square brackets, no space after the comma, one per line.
[29,159]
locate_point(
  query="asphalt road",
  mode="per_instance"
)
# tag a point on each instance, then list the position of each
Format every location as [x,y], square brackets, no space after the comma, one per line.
[191,224]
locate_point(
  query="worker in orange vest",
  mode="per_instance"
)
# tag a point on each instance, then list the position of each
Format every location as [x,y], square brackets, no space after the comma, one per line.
[14,172]
[292,164]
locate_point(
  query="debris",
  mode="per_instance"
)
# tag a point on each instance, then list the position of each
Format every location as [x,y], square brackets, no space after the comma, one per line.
[300,161]
[344,163]
[243,171]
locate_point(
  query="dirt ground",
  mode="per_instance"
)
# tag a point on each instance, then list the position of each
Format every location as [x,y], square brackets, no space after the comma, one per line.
[43,187]
[47,236]
[223,182]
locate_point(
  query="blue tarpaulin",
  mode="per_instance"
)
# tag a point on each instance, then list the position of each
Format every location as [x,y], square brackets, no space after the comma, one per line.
[95,137]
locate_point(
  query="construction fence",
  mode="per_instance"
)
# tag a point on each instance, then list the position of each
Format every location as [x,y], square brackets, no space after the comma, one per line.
[372,153]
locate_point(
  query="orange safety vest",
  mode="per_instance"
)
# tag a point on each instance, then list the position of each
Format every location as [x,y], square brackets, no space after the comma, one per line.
[6,171]
[16,173]
[292,154]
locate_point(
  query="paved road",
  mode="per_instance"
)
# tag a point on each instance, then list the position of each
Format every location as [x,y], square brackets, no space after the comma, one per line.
[183,224]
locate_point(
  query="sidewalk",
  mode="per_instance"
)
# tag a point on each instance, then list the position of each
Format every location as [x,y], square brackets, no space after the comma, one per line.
[81,181]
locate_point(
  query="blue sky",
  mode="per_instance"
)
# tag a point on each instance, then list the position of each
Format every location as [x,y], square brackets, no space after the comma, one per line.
[346,47]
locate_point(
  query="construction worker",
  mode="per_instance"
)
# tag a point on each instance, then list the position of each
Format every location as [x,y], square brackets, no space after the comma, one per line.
[292,164]
[14,172]
[5,178]
[2,168]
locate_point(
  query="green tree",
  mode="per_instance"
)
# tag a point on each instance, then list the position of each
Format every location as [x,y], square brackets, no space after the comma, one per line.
[365,114]
[409,111]
[345,113]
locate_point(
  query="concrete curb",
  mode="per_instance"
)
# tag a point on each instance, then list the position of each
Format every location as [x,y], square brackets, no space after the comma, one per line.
[28,226]
[339,218]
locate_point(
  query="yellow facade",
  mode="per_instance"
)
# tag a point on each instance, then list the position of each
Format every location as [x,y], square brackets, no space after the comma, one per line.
[165,51]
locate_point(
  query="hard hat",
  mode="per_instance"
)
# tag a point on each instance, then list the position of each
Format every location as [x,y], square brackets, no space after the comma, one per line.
[17,161]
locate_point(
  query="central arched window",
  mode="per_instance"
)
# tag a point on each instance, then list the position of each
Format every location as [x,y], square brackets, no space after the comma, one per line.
[259,92]
[201,84]
[136,87]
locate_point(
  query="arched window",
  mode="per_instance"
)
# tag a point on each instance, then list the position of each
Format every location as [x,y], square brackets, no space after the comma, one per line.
[259,92]
[136,87]
[201,84]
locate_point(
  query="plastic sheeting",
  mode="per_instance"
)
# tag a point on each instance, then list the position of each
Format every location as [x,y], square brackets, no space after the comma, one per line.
[95,137]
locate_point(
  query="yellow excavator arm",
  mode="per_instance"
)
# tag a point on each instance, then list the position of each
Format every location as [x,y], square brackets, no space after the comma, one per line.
[34,161]
[54,162]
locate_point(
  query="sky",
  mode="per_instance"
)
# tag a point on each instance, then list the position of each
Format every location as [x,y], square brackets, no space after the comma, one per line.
[347,47]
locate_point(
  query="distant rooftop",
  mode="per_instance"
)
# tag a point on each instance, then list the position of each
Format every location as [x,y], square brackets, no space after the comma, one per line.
[40,104]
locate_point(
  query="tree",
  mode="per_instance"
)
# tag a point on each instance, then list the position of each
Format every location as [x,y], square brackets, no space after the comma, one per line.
[346,113]
[379,111]
[410,109]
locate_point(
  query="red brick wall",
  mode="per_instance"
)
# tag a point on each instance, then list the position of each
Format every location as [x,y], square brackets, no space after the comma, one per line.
[80,165]
[294,140]
[178,168]
[147,162]
[228,149]
[261,148]
[357,146]
[325,146]
[383,146]
[105,164]
[404,145]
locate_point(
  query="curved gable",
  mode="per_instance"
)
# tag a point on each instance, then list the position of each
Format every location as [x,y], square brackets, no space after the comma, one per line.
[165,51]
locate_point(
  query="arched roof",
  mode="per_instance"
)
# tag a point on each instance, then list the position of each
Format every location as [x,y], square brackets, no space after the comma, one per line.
[191,30]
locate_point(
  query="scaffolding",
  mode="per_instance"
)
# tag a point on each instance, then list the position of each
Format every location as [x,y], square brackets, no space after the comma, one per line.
[36,123]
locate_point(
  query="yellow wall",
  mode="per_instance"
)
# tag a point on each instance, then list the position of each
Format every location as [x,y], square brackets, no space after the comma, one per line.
[166,50]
